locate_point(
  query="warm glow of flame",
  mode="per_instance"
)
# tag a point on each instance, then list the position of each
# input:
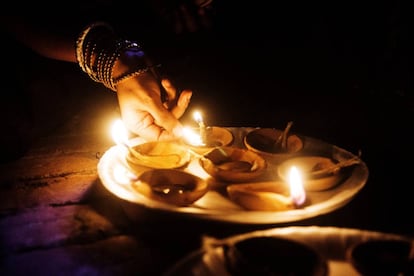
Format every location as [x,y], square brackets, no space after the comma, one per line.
[198,118]
[122,182]
[122,175]
[192,137]
[297,191]
[201,126]
[119,132]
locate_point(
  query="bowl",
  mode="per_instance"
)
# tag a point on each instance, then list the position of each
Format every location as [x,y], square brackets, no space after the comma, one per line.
[263,255]
[232,164]
[263,141]
[261,196]
[381,257]
[214,137]
[308,167]
[171,186]
[158,155]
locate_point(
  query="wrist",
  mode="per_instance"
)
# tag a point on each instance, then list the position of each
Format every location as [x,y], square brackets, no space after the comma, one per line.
[108,59]
[130,60]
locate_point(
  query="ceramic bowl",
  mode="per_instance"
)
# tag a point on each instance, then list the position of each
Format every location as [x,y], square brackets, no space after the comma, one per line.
[263,141]
[308,165]
[158,155]
[232,164]
[171,186]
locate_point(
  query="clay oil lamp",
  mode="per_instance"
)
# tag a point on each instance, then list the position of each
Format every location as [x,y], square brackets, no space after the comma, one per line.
[275,144]
[269,255]
[231,164]
[319,173]
[204,138]
[270,195]
[171,186]
[157,154]
[382,257]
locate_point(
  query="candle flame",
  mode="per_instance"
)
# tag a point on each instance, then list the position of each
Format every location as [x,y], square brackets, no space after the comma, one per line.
[119,132]
[201,126]
[297,191]
[197,117]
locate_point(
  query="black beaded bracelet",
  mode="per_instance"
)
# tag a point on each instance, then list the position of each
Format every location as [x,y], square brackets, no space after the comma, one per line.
[128,75]
[98,49]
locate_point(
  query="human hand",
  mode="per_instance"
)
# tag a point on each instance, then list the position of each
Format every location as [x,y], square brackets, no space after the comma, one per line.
[143,112]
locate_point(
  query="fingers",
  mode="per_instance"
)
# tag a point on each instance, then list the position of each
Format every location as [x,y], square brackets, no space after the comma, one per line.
[165,125]
[176,106]
[169,89]
[154,123]
[182,103]
[144,113]
[143,124]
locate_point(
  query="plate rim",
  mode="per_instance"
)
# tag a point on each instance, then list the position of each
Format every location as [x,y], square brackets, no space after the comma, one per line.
[349,237]
[238,216]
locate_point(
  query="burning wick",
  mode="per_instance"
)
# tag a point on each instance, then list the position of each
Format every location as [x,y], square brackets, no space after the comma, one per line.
[297,191]
[202,127]
[192,137]
[119,133]
[120,136]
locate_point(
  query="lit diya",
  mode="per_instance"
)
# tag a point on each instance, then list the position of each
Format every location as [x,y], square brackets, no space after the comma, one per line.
[270,195]
[275,143]
[213,137]
[205,138]
[156,154]
[319,173]
[171,186]
[233,164]
[160,154]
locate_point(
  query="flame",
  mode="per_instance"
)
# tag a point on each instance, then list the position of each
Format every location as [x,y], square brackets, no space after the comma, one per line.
[198,118]
[297,191]
[192,137]
[119,132]
[201,126]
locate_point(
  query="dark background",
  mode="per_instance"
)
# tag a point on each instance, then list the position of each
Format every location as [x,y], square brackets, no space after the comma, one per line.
[341,72]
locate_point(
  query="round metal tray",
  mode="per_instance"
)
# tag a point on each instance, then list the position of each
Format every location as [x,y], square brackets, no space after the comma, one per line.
[215,205]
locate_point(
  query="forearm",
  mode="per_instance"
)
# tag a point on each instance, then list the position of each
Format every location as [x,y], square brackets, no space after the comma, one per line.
[46,42]
[99,51]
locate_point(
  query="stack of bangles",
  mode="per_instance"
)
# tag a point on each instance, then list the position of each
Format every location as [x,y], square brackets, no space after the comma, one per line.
[97,50]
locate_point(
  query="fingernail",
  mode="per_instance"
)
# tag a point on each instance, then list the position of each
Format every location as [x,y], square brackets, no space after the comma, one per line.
[186,101]
[166,82]
[189,97]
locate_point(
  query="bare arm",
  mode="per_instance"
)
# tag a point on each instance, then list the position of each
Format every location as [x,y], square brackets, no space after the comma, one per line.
[46,42]
[114,62]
